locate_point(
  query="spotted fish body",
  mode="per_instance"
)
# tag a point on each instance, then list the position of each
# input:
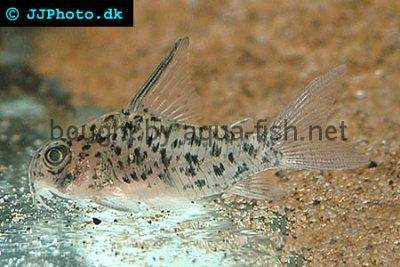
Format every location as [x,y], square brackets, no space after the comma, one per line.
[184,160]
[153,148]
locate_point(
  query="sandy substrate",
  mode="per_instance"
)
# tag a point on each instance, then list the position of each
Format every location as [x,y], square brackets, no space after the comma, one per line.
[252,57]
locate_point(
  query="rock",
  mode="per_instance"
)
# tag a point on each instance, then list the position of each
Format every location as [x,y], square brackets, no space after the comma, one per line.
[372,164]
[96,221]
[360,94]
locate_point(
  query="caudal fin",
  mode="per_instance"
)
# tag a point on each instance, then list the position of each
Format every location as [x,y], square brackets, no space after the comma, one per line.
[312,108]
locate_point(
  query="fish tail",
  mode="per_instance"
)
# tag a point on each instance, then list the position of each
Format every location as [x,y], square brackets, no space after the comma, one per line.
[297,135]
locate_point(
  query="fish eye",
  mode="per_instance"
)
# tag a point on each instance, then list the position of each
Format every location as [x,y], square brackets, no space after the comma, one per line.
[55,155]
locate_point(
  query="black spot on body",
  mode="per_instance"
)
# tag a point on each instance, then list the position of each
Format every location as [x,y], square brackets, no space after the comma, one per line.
[156,164]
[98,138]
[128,125]
[117,150]
[164,159]
[191,159]
[149,140]
[86,146]
[138,118]
[188,186]
[146,173]
[130,143]
[219,170]
[138,157]
[153,118]
[124,134]
[249,148]
[200,183]
[120,165]
[216,150]
[196,140]
[190,171]
[135,129]
[265,158]
[242,168]
[134,176]
[174,143]
[82,155]
[231,158]
[79,137]
[155,147]
[165,177]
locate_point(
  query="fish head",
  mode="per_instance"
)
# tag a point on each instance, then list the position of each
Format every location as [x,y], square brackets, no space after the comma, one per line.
[55,169]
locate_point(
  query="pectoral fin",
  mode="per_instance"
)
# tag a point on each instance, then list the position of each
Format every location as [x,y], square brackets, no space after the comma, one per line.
[262,185]
[117,203]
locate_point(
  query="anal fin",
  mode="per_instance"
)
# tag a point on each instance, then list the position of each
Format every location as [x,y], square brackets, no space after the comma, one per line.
[261,186]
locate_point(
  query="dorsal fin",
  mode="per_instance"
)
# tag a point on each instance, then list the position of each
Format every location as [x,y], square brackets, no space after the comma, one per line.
[241,123]
[168,92]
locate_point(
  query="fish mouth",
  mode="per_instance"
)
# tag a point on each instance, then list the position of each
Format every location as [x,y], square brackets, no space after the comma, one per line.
[33,184]
[49,192]
[40,190]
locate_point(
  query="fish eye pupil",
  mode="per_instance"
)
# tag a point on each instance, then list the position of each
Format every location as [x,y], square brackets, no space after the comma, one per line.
[54,155]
